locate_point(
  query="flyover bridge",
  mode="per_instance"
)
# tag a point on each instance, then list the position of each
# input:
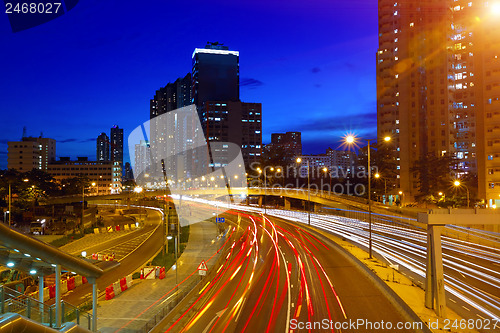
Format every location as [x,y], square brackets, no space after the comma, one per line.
[338,204]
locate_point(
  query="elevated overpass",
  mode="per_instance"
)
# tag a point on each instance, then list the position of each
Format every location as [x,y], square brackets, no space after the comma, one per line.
[345,205]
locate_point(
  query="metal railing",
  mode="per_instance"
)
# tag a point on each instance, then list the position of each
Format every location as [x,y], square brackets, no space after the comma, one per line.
[168,307]
[16,302]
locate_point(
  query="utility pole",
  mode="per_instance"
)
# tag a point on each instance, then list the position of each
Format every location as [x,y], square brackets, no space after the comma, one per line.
[10,202]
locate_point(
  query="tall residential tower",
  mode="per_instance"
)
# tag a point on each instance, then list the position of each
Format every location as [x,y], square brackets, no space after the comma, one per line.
[436,74]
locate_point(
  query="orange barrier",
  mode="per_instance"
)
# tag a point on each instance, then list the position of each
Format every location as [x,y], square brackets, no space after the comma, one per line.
[71,283]
[52,291]
[123,284]
[109,292]
[161,276]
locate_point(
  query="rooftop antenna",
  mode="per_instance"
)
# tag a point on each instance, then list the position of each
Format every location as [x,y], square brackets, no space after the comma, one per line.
[41,134]
[24,132]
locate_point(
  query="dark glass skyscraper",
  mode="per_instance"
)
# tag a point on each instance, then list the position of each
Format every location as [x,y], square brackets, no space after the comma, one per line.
[216,94]
[102,147]
[216,74]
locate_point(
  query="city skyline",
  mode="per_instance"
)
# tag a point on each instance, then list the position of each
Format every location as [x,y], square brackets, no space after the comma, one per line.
[104,79]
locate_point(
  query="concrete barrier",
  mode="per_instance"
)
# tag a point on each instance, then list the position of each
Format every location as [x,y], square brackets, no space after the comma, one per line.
[46,295]
[129,280]
[116,288]
[64,286]
[149,273]
[78,280]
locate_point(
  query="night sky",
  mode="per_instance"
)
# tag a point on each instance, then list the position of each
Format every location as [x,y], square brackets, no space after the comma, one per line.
[310,63]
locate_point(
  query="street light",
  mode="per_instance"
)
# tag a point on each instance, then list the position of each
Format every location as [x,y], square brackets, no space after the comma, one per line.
[325,170]
[351,139]
[377,176]
[299,160]
[458,184]
[402,197]
[176,264]
[278,170]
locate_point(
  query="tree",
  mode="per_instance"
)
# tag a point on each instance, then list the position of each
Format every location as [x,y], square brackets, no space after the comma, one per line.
[434,174]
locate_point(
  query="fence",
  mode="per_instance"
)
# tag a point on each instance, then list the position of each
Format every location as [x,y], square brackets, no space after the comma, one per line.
[16,302]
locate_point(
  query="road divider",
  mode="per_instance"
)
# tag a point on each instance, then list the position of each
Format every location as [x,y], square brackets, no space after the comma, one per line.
[125,227]
[103,257]
[118,287]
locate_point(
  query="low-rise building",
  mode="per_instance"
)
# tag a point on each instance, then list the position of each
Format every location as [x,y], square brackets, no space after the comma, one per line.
[106,175]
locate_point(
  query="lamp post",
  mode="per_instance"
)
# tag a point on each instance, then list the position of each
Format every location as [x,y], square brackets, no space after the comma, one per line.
[138,190]
[10,202]
[176,267]
[377,175]
[350,140]
[299,160]
[442,195]
[265,188]
[83,203]
[325,170]
[457,183]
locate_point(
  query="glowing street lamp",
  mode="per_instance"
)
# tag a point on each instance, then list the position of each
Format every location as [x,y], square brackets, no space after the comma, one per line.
[299,160]
[351,140]
[377,176]
[458,184]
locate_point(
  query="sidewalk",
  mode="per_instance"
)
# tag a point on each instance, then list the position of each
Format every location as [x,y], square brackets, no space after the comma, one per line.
[133,308]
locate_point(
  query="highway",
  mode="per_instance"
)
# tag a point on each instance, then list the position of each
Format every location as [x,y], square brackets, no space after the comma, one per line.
[277,277]
[130,250]
[472,274]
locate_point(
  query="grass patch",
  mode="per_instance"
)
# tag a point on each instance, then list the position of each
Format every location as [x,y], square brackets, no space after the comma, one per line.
[65,240]
[168,259]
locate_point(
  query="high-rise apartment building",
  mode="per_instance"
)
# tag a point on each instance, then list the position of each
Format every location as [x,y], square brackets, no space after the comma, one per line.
[31,153]
[116,145]
[173,96]
[289,141]
[102,147]
[436,69]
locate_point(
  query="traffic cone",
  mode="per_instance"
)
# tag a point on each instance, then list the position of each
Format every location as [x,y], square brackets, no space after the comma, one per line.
[142,274]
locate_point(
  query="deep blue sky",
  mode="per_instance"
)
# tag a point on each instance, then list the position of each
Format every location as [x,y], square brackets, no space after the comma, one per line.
[310,63]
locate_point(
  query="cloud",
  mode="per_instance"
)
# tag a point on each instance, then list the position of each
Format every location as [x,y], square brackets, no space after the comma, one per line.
[315,70]
[364,121]
[76,140]
[250,83]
